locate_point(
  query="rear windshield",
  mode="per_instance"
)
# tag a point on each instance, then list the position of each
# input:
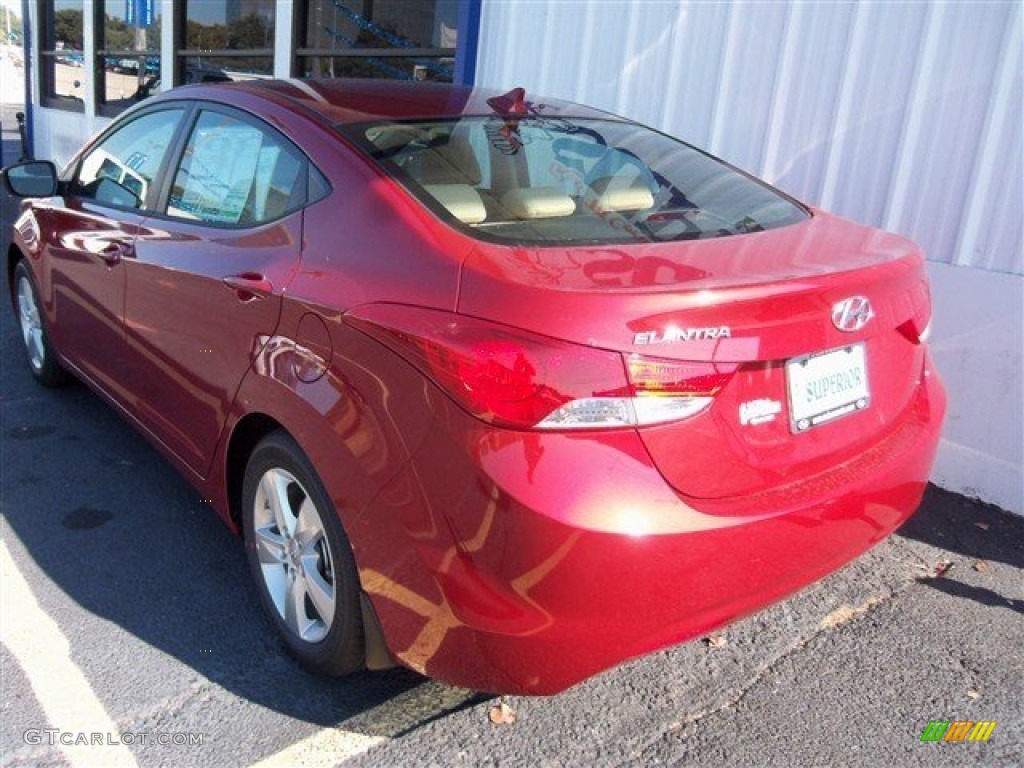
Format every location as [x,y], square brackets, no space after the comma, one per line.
[544,181]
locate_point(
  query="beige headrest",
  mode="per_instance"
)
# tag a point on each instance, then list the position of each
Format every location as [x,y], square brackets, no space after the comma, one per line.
[462,201]
[624,199]
[537,203]
[620,193]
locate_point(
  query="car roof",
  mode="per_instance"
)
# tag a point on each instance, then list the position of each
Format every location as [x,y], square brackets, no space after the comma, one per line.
[342,100]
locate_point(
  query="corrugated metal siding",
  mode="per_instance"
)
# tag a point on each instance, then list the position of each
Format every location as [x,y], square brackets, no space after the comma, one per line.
[903,115]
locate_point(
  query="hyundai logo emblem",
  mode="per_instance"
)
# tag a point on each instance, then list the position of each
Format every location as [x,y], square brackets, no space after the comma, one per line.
[852,314]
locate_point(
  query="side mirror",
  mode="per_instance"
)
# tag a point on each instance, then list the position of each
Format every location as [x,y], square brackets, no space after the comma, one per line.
[116,193]
[36,178]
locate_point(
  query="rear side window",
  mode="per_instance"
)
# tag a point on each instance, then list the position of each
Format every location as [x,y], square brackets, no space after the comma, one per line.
[542,180]
[120,170]
[237,174]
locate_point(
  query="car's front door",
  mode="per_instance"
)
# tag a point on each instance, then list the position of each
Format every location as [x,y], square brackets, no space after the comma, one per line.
[204,289]
[93,237]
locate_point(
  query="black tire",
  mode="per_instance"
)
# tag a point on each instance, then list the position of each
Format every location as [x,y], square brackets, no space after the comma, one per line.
[306,561]
[39,353]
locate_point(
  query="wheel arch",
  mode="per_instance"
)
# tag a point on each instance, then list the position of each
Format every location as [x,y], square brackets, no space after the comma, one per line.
[244,438]
[14,255]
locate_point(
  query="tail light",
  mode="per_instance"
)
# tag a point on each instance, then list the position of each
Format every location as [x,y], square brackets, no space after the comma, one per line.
[513,378]
[918,329]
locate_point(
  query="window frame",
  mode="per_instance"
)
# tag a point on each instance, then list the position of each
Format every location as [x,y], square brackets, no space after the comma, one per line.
[186,109]
[47,59]
[177,153]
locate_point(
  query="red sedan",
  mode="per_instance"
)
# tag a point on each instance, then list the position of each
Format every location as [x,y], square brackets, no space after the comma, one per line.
[504,390]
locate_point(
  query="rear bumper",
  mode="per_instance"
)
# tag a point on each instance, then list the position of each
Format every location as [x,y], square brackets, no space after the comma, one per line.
[524,562]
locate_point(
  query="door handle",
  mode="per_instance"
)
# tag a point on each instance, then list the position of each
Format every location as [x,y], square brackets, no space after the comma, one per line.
[113,253]
[249,286]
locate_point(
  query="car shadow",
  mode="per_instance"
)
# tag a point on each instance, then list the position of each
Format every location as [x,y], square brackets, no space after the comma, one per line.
[981,595]
[978,533]
[114,527]
[975,530]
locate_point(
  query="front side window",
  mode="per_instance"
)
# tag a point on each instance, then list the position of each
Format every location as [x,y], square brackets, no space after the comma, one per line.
[234,173]
[61,60]
[559,180]
[121,169]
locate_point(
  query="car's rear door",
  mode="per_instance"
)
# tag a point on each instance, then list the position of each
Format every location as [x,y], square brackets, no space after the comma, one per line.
[204,290]
[92,236]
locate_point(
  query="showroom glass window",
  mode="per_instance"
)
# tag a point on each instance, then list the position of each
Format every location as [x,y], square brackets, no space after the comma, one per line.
[62,81]
[222,40]
[127,53]
[393,39]
[120,170]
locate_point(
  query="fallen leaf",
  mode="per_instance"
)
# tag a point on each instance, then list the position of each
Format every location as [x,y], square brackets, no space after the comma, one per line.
[972,694]
[502,714]
[845,613]
[981,566]
[983,526]
[716,641]
[840,615]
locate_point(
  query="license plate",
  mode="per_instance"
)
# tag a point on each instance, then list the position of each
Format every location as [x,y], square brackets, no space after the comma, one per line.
[826,386]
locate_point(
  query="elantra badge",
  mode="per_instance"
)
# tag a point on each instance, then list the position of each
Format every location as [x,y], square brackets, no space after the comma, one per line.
[682,334]
[852,314]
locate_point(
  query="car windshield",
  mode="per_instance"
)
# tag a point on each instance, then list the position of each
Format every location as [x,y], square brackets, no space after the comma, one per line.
[555,180]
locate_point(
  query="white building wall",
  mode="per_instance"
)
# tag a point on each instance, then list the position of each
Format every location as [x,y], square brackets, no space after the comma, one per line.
[902,115]
[977,341]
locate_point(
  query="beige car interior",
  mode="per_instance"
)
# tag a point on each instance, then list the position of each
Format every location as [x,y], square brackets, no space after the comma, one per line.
[450,173]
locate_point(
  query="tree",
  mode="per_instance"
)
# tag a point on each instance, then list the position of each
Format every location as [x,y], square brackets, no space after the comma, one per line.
[117,35]
[67,29]
[251,31]
[206,36]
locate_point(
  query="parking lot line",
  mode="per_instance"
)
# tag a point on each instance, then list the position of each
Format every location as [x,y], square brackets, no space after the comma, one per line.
[321,750]
[61,689]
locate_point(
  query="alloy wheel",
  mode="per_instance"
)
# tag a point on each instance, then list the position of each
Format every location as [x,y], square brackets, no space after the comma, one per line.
[31,325]
[294,555]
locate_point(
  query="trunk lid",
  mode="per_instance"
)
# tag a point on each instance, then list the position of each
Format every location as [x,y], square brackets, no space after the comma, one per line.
[749,303]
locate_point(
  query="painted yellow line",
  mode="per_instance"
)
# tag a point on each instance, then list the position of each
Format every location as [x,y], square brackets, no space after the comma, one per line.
[61,689]
[323,749]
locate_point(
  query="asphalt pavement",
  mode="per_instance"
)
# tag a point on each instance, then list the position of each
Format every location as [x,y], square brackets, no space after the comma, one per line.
[128,612]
